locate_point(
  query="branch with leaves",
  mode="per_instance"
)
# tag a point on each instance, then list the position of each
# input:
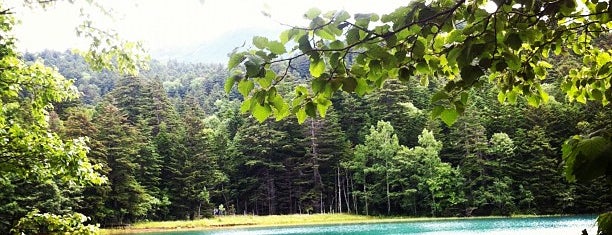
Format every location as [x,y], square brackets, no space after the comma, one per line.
[470,43]
[461,41]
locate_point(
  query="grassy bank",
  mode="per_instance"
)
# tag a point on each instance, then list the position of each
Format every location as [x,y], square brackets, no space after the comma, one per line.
[272,220]
[243,220]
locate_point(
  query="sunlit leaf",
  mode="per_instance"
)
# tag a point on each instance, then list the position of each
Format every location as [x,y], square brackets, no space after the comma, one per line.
[276,47]
[301,115]
[245,87]
[449,116]
[261,113]
[312,13]
[229,83]
[317,67]
[260,42]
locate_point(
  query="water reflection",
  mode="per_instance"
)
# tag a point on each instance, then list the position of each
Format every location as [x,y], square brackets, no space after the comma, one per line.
[542,225]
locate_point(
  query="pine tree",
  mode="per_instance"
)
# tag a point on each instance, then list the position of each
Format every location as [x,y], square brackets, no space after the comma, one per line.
[127,201]
[326,148]
[79,124]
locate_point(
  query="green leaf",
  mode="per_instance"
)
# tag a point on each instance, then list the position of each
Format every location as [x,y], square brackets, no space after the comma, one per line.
[404,74]
[423,68]
[280,107]
[436,111]
[604,223]
[453,54]
[501,97]
[322,105]
[591,158]
[543,95]
[464,98]
[245,87]
[260,42]
[317,67]
[276,47]
[514,41]
[304,44]
[352,36]
[440,95]
[266,81]
[449,116]
[245,106]
[253,68]
[285,36]
[349,84]
[418,49]
[301,115]
[532,100]
[513,61]
[311,109]
[471,73]
[312,13]
[362,87]
[512,96]
[325,34]
[318,85]
[235,59]
[261,113]
[375,67]
[596,94]
[229,83]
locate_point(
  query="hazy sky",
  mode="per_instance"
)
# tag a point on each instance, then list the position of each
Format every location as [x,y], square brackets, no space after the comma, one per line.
[164,24]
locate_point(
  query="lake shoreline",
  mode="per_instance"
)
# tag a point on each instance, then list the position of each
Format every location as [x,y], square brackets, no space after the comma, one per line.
[251,221]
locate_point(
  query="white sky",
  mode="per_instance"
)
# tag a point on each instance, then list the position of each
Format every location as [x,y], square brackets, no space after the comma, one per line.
[163,24]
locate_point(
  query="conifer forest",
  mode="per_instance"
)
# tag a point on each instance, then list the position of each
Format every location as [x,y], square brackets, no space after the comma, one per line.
[173,145]
[437,109]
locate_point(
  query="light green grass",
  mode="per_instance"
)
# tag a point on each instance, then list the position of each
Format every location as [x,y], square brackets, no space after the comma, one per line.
[271,220]
[243,220]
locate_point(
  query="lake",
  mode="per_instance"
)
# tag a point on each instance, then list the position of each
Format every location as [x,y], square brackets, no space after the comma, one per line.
[557,225]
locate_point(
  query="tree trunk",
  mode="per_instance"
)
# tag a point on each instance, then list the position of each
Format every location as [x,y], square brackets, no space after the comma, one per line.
[354,196]
[365,194]
[346,197]
[339,191]
[199,210]
[387,182]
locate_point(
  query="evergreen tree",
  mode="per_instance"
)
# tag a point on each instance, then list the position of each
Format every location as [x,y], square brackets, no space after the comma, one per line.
[79,124]
[127,200]
[326,148]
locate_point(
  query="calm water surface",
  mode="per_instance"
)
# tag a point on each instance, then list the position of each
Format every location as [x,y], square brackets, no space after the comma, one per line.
[542,225]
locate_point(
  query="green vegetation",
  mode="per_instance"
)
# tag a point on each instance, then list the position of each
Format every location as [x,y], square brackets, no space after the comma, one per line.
[172,144]
[507,45]
[172,156]
[269,220]
[247,220]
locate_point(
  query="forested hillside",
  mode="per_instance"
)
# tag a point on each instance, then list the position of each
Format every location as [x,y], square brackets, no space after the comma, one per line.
[174,145]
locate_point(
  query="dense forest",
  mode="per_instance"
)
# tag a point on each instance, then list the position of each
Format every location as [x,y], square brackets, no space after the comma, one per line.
[174,145]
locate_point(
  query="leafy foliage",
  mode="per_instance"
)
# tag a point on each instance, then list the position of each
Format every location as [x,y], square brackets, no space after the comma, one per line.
[37,223]
[507,41]
[504,43]
[31,154]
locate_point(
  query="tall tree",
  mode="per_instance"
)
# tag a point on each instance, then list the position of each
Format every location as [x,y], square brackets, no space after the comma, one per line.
[32,155]
[127,199]
[79,124]
[326,148]
[372,161]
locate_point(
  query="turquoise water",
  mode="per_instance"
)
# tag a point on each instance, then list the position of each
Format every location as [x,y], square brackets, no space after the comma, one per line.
[541,225]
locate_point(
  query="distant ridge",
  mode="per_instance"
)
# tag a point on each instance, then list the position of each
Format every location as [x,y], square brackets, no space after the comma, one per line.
[215,51]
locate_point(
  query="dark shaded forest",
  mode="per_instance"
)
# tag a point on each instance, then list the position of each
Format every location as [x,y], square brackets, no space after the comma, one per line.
[174,145]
